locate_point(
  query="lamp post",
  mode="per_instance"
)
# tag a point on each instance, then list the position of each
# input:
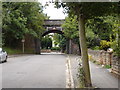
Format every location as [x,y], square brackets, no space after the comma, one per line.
[110,51]
[23,40]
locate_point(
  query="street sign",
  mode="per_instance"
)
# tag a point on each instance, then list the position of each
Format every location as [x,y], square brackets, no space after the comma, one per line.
[23,40]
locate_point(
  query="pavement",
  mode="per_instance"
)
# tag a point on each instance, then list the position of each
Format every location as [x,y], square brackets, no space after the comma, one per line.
[35,71]
[101,77]
[74,69]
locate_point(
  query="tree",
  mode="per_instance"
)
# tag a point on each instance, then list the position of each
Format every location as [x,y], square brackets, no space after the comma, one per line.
[99,28]
[21,19]
[35,22]
[85,11]
[71,31]
[57,38]
[60,40]
[70,27]
[103,29]
[13,23]
[35,18]
[46,42]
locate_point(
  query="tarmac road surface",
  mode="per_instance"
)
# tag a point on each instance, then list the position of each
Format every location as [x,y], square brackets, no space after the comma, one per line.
[35,71]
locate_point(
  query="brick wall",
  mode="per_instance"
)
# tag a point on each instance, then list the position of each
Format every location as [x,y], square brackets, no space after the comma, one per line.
[29,42]
[75,48]
[116,65]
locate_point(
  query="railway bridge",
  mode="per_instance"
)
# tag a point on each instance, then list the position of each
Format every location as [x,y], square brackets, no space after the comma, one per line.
[52,26]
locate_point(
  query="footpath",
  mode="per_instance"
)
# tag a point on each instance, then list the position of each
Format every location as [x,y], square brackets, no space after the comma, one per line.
[100,77]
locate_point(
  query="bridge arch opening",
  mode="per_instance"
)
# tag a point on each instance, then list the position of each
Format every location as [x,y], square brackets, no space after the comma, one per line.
[53,30]
[50,43]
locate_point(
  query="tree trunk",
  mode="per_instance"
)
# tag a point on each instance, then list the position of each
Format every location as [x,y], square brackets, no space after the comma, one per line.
[84,52]
[79,48]
[67,46]
[70,46]
[40,46]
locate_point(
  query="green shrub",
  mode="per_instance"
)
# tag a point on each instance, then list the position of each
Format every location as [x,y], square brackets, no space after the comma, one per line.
[96,48]
[116,48]
[18,51]
[81,77]
[107,66]
[105,45]
[55,48]
[12,51]
[94,61]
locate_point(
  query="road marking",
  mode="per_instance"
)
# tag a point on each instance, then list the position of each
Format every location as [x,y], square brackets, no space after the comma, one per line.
[69,78]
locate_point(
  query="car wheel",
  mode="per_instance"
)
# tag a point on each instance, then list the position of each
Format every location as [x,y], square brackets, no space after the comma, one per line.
[6,59]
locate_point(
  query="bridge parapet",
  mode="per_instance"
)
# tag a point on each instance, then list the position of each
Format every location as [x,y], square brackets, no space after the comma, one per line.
[53,26]
[54,22]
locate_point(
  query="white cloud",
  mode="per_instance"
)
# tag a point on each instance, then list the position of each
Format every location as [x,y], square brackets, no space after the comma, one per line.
[54,13]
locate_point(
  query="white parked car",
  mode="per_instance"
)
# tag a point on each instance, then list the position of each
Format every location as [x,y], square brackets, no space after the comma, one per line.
[3,55]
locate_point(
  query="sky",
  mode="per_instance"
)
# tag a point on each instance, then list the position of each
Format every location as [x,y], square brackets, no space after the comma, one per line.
[54,13]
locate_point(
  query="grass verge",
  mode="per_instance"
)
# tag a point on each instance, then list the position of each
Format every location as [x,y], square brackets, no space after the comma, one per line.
[12,51]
